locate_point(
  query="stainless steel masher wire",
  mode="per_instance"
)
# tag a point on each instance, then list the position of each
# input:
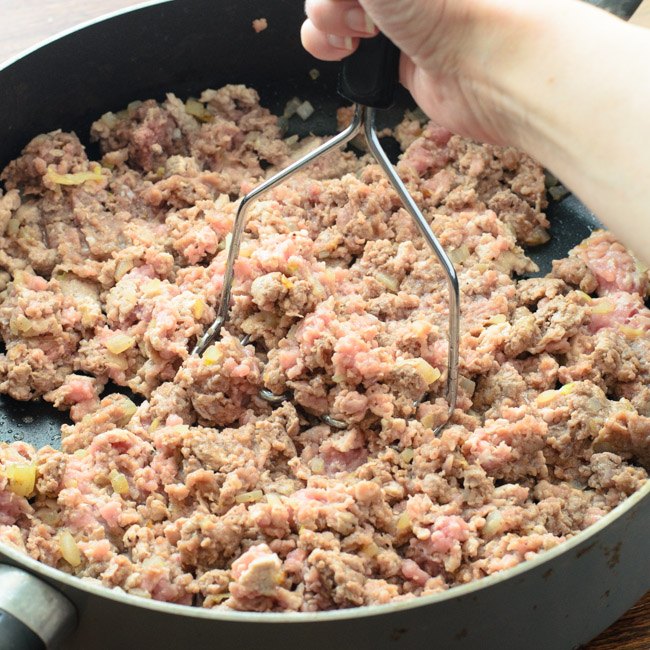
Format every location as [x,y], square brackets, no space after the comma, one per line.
[364,117]
[340,140]
[450,272]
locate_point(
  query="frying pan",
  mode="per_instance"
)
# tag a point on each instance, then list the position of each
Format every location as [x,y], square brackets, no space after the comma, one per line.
[557,601]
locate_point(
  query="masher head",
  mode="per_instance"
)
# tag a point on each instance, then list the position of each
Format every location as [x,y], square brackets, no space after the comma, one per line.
[368,79]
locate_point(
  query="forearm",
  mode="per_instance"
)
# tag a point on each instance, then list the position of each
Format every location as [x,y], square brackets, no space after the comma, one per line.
[575,93]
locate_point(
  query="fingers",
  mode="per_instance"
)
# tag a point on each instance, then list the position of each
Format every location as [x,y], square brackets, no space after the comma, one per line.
[340,17]
[333,28]
[328,47]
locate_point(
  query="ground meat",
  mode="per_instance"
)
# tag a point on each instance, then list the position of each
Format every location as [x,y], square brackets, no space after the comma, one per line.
[260,24]
[576,273]
[193,489]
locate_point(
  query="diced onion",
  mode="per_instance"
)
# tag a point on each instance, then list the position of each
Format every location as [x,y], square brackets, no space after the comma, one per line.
[74,179]
[630,332]
[49,517]
[122,268]
[388,281]
[338,378]
[133,106]
[305,110]
[155,423]
[558,192]
[119,343]
[594,427]
[370,550]
[118,360]
[129,411]
[153,288]
[273,499]
[69,549]
[459,254]
[20,324]
[546,397]
[198,308]
[422,367]
[537,237]
[22,477]
[497,319]
[119,482]
[217,598]
[317,465]
[80,453]
[584,296]
[212,355]
[407,454]
[286,283]
[197,110]
[403,522]
[493,524]
[567,388]
[249,497]
[110,119]
[428,420]
[602,306]
[291,107]
[467,385]
[12,227]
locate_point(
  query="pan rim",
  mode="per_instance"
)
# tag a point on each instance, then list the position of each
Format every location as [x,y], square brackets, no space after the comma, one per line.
[162,607]
[76,28]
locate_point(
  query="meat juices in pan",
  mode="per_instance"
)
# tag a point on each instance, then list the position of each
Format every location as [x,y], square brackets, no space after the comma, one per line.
[204,494]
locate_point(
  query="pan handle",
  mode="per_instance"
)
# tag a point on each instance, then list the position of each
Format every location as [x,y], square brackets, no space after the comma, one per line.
[33,615]
[369,76]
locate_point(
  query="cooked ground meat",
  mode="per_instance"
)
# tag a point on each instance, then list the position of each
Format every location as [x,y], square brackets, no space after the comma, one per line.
[205,494]
[260,24]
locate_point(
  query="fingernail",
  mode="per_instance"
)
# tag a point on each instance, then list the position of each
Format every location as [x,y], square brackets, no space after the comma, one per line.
[360,21]
[344,43]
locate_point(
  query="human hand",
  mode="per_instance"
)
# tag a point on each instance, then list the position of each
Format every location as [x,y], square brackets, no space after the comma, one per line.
[447,50]
[559,79]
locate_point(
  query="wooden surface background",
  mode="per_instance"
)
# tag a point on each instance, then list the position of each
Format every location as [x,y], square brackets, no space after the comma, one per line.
[24,23]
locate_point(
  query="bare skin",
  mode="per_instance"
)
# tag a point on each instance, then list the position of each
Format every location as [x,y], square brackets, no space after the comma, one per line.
[560,79]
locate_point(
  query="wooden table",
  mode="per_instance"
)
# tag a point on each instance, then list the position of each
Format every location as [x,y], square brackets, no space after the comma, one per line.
[24,23]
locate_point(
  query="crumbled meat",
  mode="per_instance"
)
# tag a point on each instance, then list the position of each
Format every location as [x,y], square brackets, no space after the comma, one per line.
[260,24]
[194,489]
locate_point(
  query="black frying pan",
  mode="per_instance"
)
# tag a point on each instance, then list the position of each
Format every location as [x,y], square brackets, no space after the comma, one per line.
[555,602]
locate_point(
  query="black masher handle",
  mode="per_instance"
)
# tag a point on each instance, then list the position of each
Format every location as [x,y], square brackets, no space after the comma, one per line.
[369,75]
